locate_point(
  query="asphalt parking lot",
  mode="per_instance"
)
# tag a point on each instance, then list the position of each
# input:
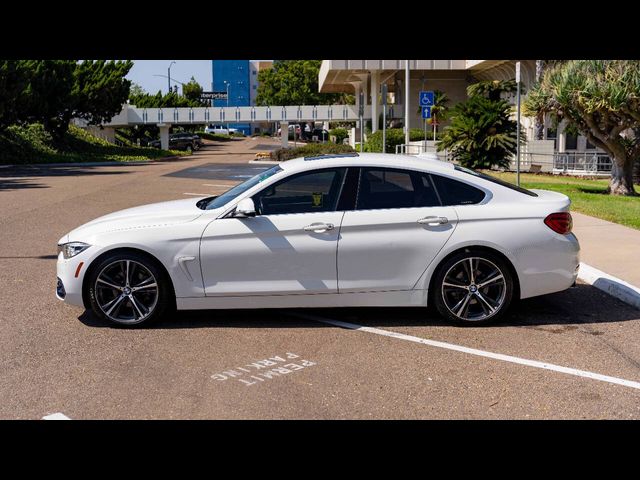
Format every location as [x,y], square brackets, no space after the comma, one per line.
[574,354]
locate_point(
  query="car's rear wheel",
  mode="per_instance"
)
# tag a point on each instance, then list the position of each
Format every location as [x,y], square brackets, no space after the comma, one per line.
[473,287]
[129,289]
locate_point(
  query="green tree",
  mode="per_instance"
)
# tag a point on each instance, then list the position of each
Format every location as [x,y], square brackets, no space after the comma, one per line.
[481,133]
[59,90]
[136,90]
[48,93]
[13,82]
[99,90]
[294,82]
[192,91]
[601,98]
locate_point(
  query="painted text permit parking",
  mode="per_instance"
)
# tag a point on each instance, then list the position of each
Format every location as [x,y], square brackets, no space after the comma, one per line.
[263,370]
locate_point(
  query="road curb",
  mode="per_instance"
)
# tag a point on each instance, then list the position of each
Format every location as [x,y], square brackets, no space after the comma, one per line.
[614,286]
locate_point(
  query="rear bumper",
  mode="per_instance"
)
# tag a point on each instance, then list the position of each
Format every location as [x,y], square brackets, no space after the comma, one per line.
[549,267]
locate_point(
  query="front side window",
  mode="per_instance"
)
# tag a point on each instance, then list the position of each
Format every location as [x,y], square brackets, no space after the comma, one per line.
[390,188]
[226,197]
[316,191]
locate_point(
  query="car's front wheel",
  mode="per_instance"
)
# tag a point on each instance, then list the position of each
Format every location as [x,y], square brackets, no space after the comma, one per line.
[127,288]
[473,287]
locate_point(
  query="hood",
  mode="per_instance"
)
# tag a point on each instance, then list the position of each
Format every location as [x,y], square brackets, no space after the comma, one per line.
[152,215]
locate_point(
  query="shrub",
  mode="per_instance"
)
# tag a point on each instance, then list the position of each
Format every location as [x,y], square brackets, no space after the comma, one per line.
[309,150]
[339,133]
[214,136]
[395,136]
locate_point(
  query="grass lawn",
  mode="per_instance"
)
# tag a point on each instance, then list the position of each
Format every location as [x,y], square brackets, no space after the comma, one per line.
[587,196]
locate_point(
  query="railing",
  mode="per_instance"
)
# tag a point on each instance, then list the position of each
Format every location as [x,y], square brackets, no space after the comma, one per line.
[572,163]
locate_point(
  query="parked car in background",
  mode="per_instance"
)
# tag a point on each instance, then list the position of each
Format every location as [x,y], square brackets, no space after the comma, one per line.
[180,141]
[220,130]
[291,127]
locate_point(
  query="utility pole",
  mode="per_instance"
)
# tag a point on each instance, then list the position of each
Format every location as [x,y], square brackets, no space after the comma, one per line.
[169,76]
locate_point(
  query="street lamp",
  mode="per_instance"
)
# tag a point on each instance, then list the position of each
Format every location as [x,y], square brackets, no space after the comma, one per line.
[169,76]
[227,84]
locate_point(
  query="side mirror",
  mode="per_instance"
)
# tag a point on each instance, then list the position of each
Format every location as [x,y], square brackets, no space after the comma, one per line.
[245,209]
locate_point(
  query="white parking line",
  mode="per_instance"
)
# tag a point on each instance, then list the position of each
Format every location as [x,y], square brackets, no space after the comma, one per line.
[56,416]
[218,184]
[198,194]
[474,351]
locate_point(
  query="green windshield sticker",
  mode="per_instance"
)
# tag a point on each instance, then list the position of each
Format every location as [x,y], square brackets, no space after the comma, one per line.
[316,199]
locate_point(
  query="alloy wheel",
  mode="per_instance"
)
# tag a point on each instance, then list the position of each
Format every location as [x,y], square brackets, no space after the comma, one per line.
[126,291]
[474,289]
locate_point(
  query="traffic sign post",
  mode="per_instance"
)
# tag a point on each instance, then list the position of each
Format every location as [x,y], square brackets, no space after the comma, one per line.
[426,100]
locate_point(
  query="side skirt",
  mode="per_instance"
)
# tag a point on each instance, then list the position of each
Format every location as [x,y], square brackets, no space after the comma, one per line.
[406,298]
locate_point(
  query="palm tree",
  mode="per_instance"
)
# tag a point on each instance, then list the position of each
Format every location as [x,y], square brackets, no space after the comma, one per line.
[492,89]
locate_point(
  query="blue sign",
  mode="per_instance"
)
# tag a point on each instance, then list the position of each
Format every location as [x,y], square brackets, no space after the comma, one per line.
[426,112]
[426,98]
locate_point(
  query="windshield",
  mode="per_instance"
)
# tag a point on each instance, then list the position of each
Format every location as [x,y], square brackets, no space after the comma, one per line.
[489,178]
[226,197]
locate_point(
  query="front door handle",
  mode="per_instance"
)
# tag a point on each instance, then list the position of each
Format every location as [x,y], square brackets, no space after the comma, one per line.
[319,227]
[433,221]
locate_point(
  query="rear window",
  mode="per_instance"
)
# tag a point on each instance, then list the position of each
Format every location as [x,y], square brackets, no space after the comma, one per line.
[489,178]
[453,192]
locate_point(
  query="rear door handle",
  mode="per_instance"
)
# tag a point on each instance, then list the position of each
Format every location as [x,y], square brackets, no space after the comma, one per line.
[433,221]
[319,227]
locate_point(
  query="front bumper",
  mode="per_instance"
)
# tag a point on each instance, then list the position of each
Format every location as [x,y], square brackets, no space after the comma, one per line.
[70,277]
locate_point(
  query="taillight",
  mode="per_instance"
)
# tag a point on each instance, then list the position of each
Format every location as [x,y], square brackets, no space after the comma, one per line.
[560,222]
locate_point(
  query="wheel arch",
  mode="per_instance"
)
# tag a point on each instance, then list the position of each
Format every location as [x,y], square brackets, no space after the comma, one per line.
[96,261]
[476,248]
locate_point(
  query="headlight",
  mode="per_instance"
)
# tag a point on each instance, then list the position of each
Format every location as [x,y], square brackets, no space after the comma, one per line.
[72,249]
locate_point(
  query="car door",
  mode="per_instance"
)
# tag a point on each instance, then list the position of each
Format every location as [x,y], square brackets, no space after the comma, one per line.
[289,247]
[397,228]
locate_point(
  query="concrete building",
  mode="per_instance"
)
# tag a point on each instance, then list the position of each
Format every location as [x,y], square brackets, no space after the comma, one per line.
[557,148]
[255,67]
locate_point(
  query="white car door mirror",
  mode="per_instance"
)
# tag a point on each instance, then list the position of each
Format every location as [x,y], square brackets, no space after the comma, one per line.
[245,209]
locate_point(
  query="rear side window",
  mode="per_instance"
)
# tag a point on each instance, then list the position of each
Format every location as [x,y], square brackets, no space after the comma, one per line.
[382,188]
[453,192]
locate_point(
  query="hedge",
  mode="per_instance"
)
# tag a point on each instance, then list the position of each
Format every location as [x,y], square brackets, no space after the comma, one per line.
[309,150]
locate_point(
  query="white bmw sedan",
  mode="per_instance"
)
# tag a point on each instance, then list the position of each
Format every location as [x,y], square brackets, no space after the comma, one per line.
[329,231]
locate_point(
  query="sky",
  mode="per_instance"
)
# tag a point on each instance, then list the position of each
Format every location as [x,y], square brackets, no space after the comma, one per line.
[143,72]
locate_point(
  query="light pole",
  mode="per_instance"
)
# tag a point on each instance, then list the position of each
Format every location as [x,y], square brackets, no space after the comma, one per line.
[169,76]
[227,84]
[518,125]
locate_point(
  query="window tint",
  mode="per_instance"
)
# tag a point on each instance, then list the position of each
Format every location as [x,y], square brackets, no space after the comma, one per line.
[453,192]
[390,188]
[316,191]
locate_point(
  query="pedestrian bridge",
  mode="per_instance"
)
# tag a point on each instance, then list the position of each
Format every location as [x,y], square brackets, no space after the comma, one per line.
[166,117]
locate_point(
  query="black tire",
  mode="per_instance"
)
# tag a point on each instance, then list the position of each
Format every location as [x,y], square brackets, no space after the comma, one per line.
[189,148]
[449,300]
[150,307]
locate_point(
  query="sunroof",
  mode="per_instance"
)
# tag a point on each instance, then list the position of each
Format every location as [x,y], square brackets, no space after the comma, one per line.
[332,155]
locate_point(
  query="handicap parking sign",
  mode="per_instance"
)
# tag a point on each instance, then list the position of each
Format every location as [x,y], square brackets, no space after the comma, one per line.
[426,112]
[426,98]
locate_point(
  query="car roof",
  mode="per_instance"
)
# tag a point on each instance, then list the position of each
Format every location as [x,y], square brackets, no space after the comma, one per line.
[386,160]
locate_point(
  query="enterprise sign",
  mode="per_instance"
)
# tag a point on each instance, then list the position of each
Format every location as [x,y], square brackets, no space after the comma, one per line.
[213,96]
